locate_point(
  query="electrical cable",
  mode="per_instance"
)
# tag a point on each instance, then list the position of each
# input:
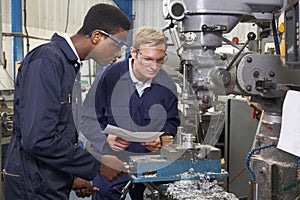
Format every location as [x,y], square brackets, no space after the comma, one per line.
[249,157]
[24,36]
[298,163]
[25,26]
[67,19]
[275,35]
[235,177]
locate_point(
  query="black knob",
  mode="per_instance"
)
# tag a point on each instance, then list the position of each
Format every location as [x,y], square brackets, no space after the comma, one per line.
[223,56]
[204,27]
[248,88]
[251,36]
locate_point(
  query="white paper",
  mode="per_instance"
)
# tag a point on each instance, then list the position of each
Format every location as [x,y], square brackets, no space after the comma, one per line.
[289,139]
[132,136]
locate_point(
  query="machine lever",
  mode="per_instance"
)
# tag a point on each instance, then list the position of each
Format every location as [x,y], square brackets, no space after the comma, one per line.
[125,190]
[250,36]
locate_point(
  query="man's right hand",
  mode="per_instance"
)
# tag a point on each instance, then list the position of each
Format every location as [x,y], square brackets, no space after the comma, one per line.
[111,167]
[83,188]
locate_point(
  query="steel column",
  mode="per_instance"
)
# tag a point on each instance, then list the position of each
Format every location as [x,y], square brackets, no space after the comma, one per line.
[16,21]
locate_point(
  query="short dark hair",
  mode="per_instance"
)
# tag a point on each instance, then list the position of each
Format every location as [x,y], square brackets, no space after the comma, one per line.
[104,17]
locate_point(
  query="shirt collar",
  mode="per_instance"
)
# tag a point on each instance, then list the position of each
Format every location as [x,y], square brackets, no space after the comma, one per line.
[140,87]
[70,43]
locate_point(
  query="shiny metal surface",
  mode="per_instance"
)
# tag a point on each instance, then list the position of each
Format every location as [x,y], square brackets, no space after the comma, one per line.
[201,189]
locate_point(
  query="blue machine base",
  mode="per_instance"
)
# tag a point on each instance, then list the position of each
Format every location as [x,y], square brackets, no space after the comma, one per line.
[172,171]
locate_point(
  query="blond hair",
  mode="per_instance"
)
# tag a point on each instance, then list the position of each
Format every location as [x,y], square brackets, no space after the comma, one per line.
[148,35]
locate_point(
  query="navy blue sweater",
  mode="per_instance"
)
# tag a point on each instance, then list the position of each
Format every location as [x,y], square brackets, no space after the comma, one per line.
[117,103]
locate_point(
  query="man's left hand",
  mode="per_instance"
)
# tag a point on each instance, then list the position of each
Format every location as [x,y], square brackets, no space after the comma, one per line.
[152,146]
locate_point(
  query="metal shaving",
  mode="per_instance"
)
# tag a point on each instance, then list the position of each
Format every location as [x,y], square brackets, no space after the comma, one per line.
[198,190]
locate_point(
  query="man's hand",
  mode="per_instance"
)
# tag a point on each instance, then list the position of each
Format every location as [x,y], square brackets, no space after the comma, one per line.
[111,167]
[117,143]
[83,188]
[152,146]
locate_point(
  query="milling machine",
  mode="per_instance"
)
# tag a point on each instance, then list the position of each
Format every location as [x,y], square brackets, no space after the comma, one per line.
[6,113]
[177,166]
[197,28]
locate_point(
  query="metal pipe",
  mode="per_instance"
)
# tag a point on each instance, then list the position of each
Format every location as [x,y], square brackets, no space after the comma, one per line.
[16,23]
[253,194]
[185,86]
[1,46]
[4,34]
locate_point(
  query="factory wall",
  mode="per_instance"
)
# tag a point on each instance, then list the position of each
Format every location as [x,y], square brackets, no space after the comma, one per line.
[43,19]
[148,12]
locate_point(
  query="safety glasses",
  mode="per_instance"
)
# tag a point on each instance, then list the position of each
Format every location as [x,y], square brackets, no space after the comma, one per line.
[148,60]
[120,45]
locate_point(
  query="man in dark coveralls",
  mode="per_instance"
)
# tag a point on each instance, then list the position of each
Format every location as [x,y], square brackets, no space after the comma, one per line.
[42,158]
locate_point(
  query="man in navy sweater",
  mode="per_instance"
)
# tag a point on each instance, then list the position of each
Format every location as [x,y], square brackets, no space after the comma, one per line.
[137,95]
